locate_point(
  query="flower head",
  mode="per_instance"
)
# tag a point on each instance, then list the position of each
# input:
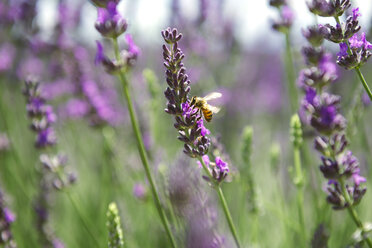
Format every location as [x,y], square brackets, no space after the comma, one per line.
[109,22]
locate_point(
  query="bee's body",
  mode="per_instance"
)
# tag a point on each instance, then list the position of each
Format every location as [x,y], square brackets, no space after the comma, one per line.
[204,107]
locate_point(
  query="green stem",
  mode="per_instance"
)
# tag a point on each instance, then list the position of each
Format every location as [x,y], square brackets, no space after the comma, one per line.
[357,70]
[141,149]
[353,214]
[299,182]
[223,202]
[291,78]
[82,218]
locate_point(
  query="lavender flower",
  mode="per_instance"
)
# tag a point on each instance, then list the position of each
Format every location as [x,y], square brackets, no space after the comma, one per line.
[109,22]
[328,8]
[6,220]
[41,115]
[140,191]
[286,19]
[339,166]
[359,55]
[7,56]
[188,119]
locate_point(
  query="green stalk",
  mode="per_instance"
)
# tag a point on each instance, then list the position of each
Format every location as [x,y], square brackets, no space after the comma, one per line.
[357,70]
[291,78]
[296,137]
[353,214]
[223,202]
[82,218]
[300,190]
[141,148]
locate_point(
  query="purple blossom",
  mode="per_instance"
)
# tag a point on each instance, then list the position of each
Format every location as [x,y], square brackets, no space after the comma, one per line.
[139,191]
[99,55]
[355,42]
[343,50]
[76,108]
[221,165]
[327,66]
[46,138]
[9,215]
[109,22]
[287,14]
[204,131]
[356,14]
[132,47]
[206,161]
[7,55]
[41,115]
[31,66]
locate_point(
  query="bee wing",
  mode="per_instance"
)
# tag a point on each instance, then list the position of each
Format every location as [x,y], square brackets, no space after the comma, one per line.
[214,109]
[213,95]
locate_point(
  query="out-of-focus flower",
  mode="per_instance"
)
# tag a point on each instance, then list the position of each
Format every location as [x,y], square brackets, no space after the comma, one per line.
[139,191]
[327,8]
[41,115]
[314,35]
[4,142]
[7,55]
[6,220]
[286,19]
[76,108]
[109,22]
[30,67]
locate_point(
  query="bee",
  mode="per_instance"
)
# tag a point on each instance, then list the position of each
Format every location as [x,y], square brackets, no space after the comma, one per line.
[204,107]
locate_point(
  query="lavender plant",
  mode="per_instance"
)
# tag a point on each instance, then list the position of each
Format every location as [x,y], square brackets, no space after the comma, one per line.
[354,49]
[111,25]
[6,220]
[189,120]
[339,166]
[52,173]
[114,227]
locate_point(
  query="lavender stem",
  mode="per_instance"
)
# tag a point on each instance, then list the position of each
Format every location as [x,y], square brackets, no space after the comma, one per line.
[290,75]
[224,204]
[82,218]
[357,70]
[353,213]
[141,148]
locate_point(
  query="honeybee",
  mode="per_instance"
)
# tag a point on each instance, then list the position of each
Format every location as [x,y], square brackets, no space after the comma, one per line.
[204,107]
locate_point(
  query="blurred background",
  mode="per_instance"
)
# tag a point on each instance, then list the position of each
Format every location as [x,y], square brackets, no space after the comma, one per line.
[231,48]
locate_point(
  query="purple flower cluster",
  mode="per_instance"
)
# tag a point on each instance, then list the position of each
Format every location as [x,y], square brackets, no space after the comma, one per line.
[111,24]
[53,171]
[189,121]
[6,220]
[354,50]
[219,169]
[328,8]
[284,23]
[323,114]
[41,115]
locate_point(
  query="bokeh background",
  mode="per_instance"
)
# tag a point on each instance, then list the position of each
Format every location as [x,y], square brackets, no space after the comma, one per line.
[231,48]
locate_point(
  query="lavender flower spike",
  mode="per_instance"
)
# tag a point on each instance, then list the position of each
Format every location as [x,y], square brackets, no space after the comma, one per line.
[188,119]
[6,219]
[114,227]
